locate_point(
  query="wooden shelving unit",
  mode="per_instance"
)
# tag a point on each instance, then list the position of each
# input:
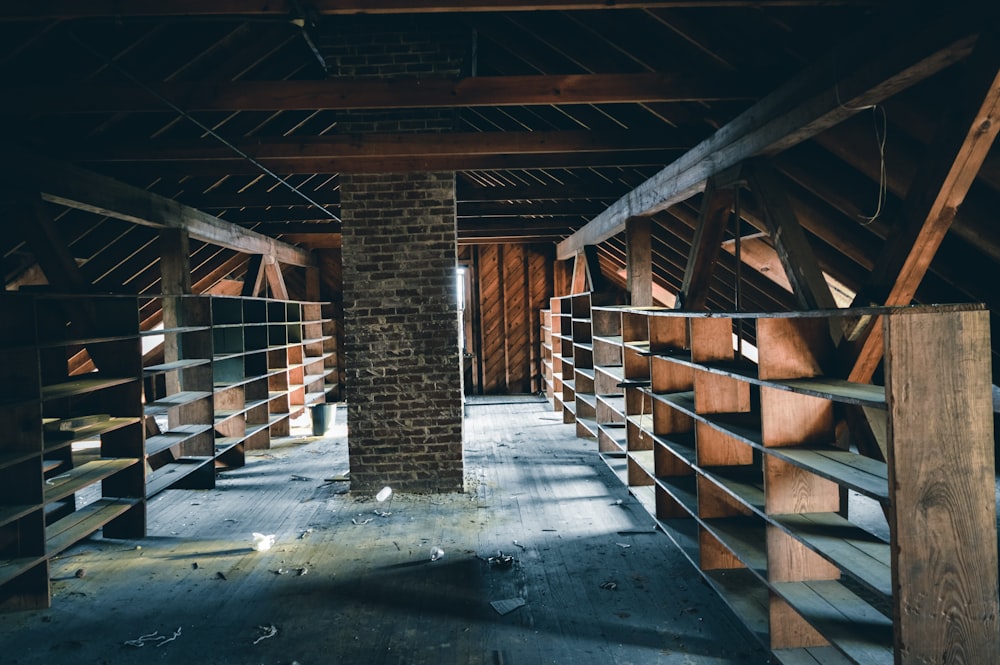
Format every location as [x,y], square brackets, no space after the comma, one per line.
[66,434]
[180,449]
[736,459]
[235,371]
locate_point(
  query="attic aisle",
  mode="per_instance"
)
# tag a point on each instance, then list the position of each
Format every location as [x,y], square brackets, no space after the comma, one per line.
[346,584]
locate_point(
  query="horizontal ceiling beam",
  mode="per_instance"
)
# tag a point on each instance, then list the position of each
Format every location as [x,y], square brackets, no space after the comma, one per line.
[73,187]
[345,93]
[76,9]
[392,153]
[329,195]
[864,71]
[387,145]
[469,224]
[332,165]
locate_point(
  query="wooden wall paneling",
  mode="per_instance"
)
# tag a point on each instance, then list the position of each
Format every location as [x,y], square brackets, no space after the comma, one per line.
[491,312]
[539,284]
[517,333]
[943,517]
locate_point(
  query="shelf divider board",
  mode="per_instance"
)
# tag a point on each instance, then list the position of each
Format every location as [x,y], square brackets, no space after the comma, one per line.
[795,349]
[939,398]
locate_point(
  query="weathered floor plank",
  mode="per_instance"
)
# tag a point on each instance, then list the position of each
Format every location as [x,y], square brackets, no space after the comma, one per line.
[370,593]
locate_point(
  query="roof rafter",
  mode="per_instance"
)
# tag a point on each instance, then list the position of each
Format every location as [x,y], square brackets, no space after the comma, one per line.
[802,108]
[78,188]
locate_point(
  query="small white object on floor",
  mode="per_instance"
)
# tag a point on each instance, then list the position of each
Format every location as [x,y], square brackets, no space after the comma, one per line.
[383,494]
[436,553]
[262,543]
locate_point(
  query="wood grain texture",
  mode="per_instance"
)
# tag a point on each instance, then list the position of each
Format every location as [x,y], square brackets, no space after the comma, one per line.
[789,629]
[793,348]
[715,448]
[941,474]
[714,555]
[668,333]
[791,419]
[791,489]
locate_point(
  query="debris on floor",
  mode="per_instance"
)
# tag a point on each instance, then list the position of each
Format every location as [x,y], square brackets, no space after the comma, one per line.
[610,586]
[507,605]
[266,633]
[153,638]
[262,543]
[436,553]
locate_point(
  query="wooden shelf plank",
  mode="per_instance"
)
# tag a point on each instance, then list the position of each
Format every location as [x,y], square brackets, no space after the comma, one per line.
[745,537]
[811,656]
[161,406]
[11,569]
[646,496]
[84,475]
[618,465]
[615,403]
[162,368]
[862,474]
[745,484]
[852,625]
[93,431]
[681,444]
[172,331]
[683,489]
[861,554]
[746,596]
[170,474]
[81,386]
[174,437]
[9,514]
[839,390]
[14,458]
[81,523]
[645,460]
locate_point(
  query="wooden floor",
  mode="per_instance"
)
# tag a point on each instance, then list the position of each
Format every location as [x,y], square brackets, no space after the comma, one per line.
[346,585]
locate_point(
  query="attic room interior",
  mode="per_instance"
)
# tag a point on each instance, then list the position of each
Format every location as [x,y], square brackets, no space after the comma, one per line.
[370,331]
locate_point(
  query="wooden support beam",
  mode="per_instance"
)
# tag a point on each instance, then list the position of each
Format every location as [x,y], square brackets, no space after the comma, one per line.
[77,9]
[367,147]
[400,93]
[941,471]
[175,265]
[50,250]
[794,251]
[716,208]
[578,282]
[866,70]
[275,280]
[402,164]
[937,191]
[639,261]
[74,187]
[253,279]
[592,264]
[175,279]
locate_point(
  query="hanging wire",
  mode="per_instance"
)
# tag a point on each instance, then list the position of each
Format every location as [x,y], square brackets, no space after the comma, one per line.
[205,128]
[881,131]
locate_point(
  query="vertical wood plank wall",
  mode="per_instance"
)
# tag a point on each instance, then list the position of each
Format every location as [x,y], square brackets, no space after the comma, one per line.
[513,283]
